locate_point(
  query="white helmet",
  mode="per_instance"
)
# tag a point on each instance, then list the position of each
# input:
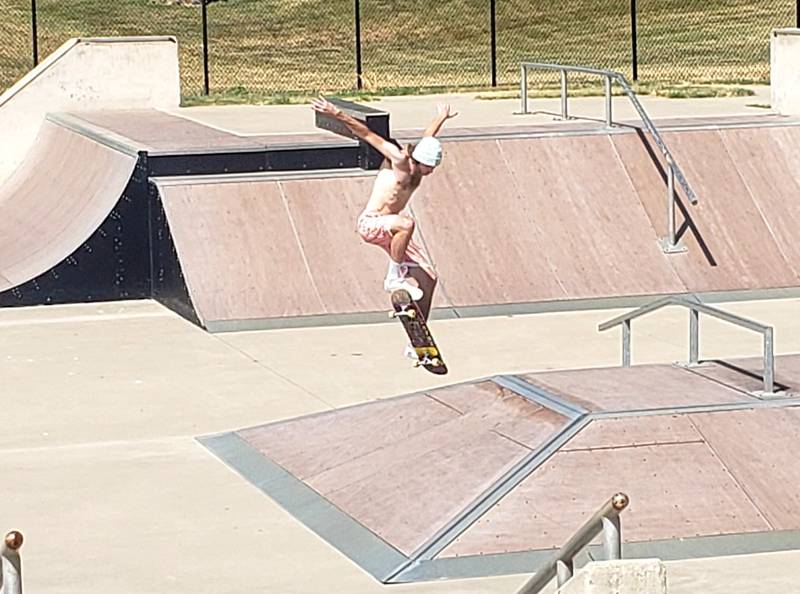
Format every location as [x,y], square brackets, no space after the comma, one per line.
[428,151]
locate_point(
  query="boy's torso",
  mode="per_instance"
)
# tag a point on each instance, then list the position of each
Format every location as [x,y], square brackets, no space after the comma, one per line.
[392,190]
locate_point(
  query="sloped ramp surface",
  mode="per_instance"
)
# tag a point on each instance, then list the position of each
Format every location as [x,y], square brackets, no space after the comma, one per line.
[506,222]
[488,477]
[53,202]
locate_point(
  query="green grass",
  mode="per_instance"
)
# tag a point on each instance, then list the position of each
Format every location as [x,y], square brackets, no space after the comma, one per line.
[283,50]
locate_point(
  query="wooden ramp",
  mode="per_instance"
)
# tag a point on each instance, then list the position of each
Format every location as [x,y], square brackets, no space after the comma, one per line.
[509,223]
[60,194]
[488,477]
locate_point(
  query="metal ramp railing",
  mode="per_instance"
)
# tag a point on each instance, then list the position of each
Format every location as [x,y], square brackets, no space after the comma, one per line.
[561,565]
[11,564]
[695,309]
[669,244]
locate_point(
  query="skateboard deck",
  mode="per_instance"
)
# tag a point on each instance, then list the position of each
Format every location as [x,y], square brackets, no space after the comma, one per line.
[418,333]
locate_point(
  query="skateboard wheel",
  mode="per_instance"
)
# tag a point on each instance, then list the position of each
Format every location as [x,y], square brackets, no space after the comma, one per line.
[411,314]
[435,362]
[392,315]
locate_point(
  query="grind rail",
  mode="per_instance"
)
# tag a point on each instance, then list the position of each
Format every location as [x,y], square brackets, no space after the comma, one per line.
[562,564]
[695,309]
[669,244]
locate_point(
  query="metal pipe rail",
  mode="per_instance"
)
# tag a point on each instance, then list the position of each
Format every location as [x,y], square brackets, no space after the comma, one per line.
[695,308]
[561,565]
[670,243]
[11,564]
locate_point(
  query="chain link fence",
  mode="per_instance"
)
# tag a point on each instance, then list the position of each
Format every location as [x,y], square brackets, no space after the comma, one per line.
[270,47]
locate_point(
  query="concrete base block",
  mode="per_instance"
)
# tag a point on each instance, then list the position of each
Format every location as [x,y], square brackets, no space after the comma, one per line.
[785,71]
[626,576]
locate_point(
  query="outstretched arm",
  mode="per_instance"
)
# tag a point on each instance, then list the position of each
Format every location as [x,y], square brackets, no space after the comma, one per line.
[360,129]
[444,114]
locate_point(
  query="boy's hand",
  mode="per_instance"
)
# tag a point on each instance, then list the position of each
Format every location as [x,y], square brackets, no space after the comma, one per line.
[322,105]
[445,112]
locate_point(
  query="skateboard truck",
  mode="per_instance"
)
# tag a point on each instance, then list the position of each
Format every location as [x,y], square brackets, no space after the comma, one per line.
[426,360]
[409,313]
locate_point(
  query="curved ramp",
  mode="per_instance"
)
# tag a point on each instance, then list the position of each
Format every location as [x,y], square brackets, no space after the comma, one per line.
[58,196]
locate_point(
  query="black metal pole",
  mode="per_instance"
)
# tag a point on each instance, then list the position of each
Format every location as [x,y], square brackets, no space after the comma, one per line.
[205,46]
[35,33]
[635,42]
[359,81]
[797,12]
[493,29]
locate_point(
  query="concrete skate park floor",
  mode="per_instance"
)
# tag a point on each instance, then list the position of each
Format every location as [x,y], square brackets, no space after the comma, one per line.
[104,402]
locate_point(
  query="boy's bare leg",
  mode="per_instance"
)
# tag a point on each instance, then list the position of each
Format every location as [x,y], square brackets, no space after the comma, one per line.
[402,230]
[428,284]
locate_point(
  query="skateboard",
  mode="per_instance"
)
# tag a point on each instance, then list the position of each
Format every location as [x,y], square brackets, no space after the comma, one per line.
[417,329]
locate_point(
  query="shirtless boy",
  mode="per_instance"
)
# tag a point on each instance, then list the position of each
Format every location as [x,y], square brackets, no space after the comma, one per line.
[384,222]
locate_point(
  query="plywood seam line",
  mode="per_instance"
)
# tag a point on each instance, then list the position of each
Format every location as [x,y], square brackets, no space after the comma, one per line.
[733,476]
[502,435]
[443,403]
[631,446]
[756,203]
[521,195]
[300,247]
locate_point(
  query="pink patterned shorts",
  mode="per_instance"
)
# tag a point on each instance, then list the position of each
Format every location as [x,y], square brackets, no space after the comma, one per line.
[373,227]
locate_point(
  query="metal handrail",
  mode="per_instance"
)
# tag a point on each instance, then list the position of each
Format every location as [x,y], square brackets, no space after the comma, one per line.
[562,564]
[695,309]
[669,244]
[11,564]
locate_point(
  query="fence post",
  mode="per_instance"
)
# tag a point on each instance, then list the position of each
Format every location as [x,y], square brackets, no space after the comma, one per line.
[205,45]
[35,33]
[635,42]
[493,33]
[359,81]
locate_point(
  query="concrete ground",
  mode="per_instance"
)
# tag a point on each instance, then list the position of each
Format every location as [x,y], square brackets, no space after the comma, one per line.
[101,405]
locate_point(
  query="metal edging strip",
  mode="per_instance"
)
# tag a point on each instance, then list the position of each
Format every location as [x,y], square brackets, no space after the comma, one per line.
[494,564]
[359,544]
[540,396]
[475,510]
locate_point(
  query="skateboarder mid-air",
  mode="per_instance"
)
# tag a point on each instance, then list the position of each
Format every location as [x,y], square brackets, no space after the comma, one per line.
[384,221]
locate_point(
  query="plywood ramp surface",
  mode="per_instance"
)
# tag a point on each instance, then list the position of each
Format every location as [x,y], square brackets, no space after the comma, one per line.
[402,468]
[161,131]
[634,388]
[484,242]
[729,243]
[273,249]
[599,239]
[239,252]
[684,488]
[767,162]
[764,463]
[60,194]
